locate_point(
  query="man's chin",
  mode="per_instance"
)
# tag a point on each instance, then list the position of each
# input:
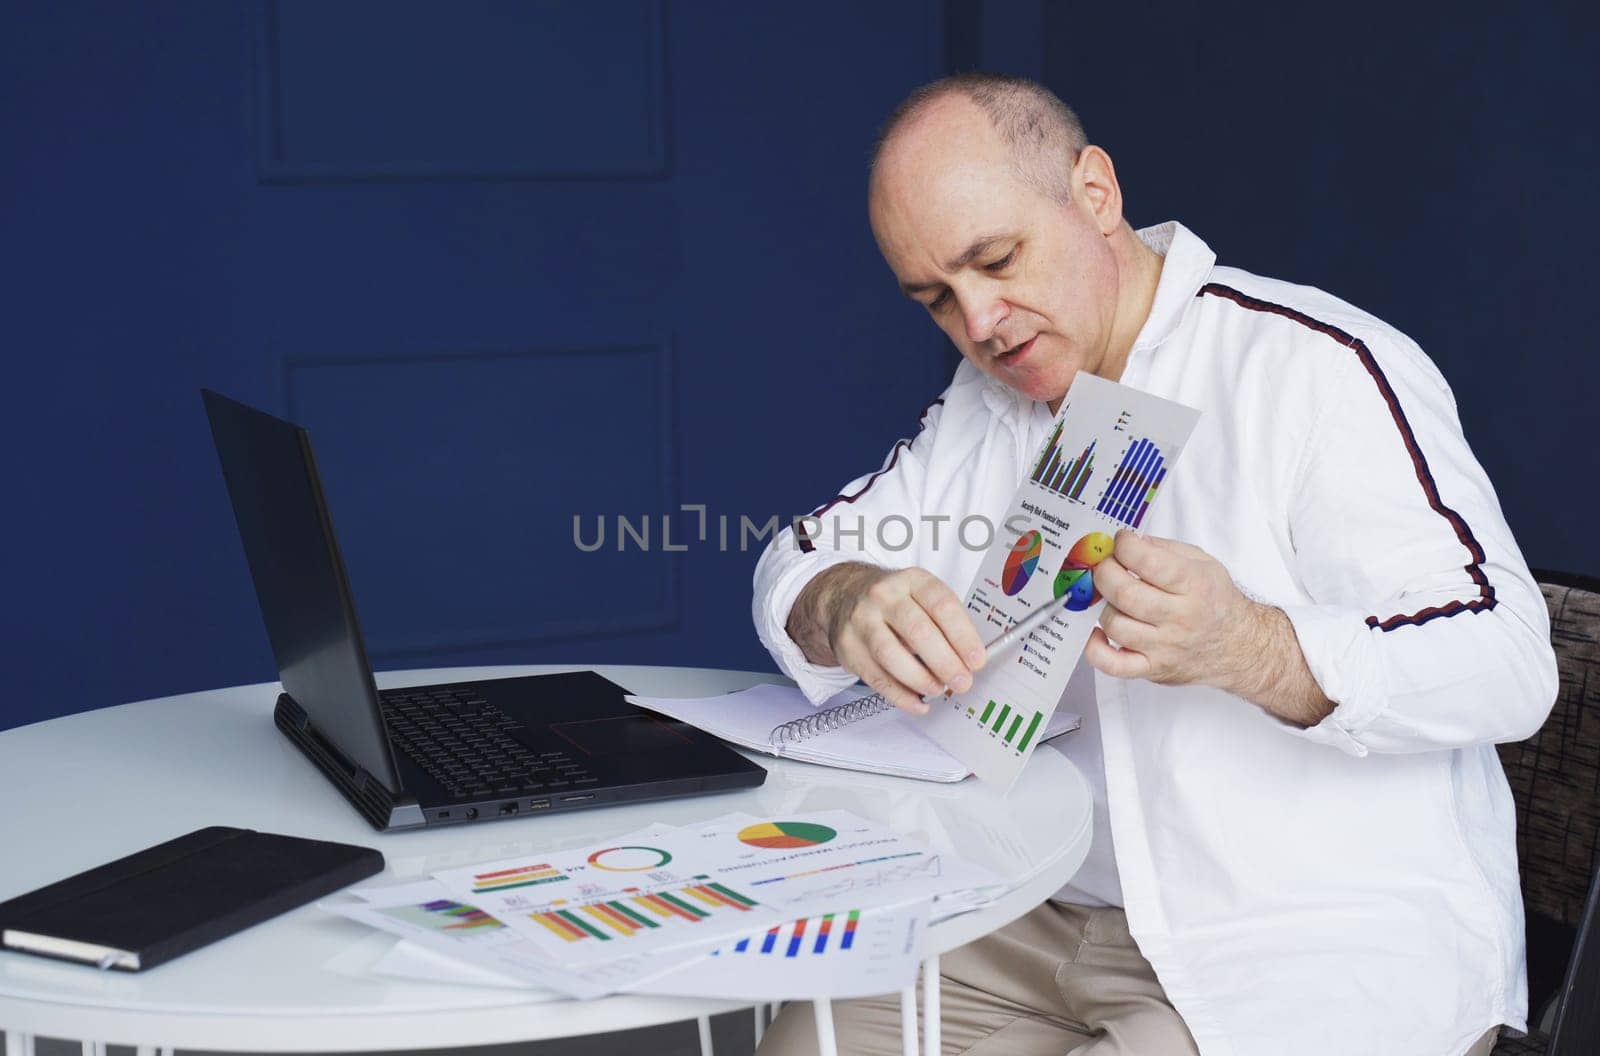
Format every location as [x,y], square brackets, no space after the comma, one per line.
[1048,387]
[1049,391]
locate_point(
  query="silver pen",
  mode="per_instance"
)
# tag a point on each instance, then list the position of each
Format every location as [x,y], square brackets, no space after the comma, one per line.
[1021,629]
[1025,626]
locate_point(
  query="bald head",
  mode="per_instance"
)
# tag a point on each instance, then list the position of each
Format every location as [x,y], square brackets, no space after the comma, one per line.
[1041,134]
[996,217]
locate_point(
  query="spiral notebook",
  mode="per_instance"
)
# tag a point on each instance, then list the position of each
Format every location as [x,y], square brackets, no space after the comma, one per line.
[853,730]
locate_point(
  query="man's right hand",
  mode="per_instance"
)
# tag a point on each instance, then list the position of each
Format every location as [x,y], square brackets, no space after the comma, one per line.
[904,633]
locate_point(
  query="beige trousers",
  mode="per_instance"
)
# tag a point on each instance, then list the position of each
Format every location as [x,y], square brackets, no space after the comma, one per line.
[1061,979]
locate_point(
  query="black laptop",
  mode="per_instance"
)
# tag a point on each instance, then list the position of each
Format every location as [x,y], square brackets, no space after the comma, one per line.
[441,754]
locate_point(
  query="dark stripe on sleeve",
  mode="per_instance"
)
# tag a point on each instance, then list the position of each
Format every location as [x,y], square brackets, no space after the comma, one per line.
[1485,599]
[894,456]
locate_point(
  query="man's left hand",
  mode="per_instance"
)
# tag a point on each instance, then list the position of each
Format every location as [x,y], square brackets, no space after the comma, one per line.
[1174,612]
[1178,619]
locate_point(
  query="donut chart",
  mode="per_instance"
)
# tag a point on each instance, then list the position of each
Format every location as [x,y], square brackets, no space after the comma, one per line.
[629,859]
[1021,562]
[1075,580]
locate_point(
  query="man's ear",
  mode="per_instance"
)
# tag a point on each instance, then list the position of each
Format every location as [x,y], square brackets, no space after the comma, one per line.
[1096,180]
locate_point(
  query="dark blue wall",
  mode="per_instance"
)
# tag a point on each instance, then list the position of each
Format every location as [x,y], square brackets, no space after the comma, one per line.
[1434,165]
[517,262]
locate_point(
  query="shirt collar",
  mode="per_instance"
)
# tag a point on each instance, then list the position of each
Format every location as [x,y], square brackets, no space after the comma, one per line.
[1187,266]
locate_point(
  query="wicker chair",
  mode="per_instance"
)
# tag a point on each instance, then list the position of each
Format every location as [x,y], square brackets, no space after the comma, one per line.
[1555,779]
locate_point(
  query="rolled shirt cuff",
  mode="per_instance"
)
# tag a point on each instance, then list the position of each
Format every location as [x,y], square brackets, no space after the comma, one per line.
[1337,645]
[816,681]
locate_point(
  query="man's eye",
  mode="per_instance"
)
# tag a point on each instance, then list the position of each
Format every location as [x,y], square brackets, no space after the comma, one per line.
[939,301]
[1002,263]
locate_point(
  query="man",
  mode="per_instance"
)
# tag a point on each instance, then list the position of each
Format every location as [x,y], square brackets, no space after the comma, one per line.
[1304,841]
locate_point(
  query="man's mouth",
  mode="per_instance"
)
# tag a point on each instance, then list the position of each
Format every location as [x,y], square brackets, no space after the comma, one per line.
[1015,353]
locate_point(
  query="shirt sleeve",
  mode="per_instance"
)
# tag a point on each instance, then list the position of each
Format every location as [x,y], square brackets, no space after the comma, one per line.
[1426,629]
[875,519]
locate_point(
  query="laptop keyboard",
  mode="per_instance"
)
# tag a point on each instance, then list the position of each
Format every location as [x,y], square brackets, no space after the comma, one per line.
[460,740]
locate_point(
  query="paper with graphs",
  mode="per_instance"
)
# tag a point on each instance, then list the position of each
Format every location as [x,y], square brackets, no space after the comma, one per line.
[1102,466]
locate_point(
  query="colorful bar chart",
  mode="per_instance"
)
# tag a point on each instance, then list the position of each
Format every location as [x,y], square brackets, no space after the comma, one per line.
[835,931]
[623,918]
[446,916]
[1052,452]
[1064,477]
[1133,485]
[824,930]
[1008,733]
[521,876]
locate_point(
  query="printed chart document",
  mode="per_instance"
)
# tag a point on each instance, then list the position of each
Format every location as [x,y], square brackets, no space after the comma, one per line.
[816,861]
[424,913]
[805,900]
[849,953]
[1101,468]
[592,904]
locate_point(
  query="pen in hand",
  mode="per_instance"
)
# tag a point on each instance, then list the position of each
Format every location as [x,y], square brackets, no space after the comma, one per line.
[1019,630]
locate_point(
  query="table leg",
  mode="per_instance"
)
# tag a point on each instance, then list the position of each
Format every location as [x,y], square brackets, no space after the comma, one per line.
[826,1043]
[761,1023]
[704,1023]
[908,1021]
[94,1048]
[930,1006]
[18,1044]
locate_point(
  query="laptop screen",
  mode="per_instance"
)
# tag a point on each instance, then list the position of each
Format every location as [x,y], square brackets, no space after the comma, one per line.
[300,579]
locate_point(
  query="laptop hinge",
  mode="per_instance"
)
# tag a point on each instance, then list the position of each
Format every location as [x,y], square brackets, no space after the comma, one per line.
[375,801]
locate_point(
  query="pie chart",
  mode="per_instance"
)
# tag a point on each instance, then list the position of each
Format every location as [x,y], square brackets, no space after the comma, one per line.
[784,835]
[1075,581]
[1021,560]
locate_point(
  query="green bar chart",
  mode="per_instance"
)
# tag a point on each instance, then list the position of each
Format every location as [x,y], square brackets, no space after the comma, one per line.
[1033,728]
[1008,732]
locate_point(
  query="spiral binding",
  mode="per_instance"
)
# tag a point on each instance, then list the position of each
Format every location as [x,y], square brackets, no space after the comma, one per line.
[796,730]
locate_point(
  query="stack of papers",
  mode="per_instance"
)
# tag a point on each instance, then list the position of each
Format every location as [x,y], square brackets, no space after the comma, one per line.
[817,904]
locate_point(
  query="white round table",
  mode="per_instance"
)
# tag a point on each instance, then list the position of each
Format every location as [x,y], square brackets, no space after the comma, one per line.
[85,789]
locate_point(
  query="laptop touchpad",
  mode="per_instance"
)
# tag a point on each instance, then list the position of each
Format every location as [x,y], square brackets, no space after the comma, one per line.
[621,735]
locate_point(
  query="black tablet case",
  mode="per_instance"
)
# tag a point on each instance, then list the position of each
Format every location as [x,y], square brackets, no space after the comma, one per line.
[175,897]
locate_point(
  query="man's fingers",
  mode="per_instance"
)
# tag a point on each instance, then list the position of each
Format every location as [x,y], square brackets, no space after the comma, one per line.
[924,638]
[1132,594]
[885,686]
[1125,630]
[891,654]
[947,611]
[1152,560]
[908,636]
[1108,659]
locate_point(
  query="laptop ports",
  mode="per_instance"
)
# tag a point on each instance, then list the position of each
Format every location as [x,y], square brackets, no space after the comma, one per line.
[507,809]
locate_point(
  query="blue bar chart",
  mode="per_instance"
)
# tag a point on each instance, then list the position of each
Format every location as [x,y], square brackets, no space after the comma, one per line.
[837,928]
[1133,485]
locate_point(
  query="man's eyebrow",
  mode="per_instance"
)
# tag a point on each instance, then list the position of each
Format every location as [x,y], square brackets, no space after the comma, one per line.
[980,245]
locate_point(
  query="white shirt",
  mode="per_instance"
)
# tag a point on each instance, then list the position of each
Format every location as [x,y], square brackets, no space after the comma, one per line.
[1348,888]
[1095,883]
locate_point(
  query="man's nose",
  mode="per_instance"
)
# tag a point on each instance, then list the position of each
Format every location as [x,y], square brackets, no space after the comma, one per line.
[982,316]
